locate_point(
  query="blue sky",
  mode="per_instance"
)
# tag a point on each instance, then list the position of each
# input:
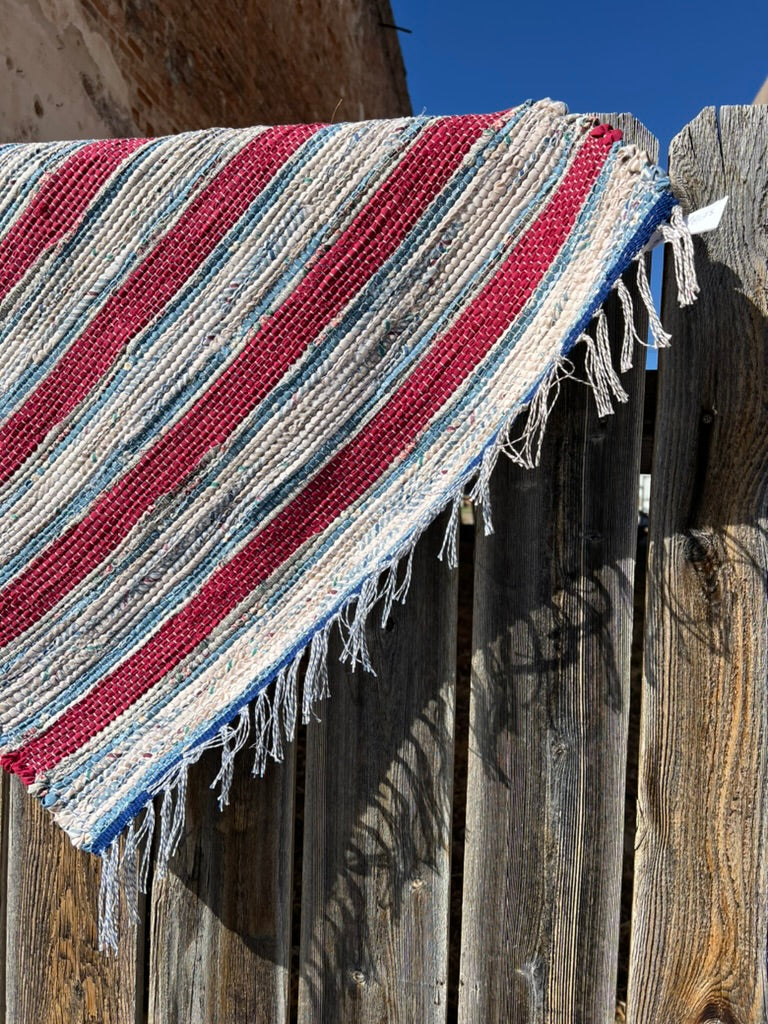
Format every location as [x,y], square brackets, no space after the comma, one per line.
[661,62]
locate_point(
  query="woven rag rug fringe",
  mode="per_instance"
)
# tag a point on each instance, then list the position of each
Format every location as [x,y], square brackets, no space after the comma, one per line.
[271,718]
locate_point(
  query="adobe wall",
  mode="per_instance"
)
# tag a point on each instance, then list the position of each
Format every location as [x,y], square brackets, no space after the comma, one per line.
[94,68]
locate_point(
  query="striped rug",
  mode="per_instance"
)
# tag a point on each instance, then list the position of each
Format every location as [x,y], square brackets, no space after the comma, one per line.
[240,372]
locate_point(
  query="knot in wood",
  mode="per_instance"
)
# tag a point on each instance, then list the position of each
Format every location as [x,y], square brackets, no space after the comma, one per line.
[560,747]
[701,551]
[716,1013]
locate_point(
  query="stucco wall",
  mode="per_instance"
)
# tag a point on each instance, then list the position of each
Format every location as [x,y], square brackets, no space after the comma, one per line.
[93,68]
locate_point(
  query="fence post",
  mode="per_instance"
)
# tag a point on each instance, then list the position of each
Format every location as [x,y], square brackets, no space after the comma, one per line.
[701,868]
[220,921]
[549,714]
[377,815]
[53,969]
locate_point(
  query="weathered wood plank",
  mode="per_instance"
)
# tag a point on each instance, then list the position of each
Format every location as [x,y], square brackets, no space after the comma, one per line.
[700,914]
[4,798]
[377,819]
[221,918]
[54,970]
[548,719]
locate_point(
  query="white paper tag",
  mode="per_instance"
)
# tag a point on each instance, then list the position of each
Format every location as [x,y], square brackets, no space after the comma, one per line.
[705,219]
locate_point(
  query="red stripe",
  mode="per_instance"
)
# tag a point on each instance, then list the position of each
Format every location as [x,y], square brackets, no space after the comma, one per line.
[58,206]
[147,290]
[389,435]
[361,249]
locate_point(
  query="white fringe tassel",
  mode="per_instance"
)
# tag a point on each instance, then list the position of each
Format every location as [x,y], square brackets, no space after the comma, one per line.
[316,674]
[109,897]
[233,739]
[631,337]
[678,235]
[448,547]
[525,450]
[660,336]
[275,709]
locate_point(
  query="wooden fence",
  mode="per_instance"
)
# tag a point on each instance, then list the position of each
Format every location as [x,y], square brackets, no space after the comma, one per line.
[450,842]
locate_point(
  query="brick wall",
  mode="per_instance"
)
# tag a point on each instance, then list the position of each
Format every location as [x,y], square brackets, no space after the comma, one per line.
[93,68]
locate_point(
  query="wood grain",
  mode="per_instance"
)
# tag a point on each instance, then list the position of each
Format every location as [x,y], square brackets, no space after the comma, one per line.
[377,822]
[549,713]
[700,914]
[221,918]
[4,799]
[54,970]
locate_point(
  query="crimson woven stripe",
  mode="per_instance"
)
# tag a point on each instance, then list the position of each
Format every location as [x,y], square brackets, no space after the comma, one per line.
[341,482]
[330,284]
